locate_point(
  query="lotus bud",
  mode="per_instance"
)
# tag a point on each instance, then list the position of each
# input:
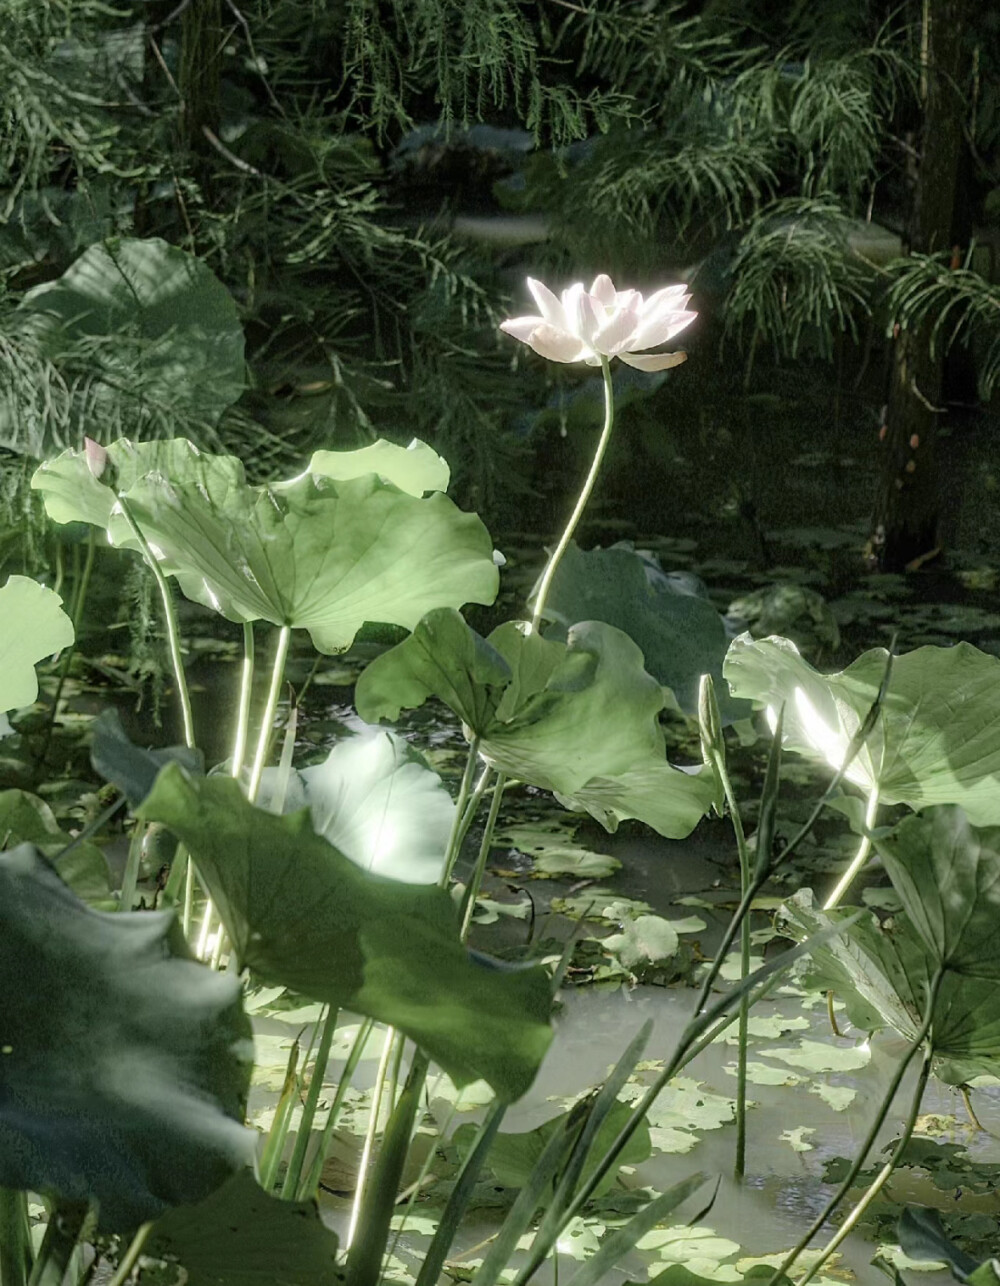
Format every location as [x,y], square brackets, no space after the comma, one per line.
[98,461]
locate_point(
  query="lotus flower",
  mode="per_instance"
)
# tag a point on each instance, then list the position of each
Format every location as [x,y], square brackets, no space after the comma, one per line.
[592,326]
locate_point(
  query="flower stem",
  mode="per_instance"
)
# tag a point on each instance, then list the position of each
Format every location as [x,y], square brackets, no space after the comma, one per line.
[246,691]
[556,556]
[267,721]
[173,633]
[860,857]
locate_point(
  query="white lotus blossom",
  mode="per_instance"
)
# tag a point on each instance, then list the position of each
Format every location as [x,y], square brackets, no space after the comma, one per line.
[602,322]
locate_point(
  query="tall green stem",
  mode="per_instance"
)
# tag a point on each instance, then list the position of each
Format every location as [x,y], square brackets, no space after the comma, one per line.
[170,616]
[15,1238]
[461,803]
[246,692]
[312,1181]
[472,892]
[860,857]
[869,1140]
[374,1113]
[293,1175]
[556,556]
[270,709]
[883,1176]
[128,1261]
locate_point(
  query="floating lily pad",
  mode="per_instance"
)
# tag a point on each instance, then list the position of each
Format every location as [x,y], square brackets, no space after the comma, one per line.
[646,940]
[935,742]
[301,914]
[124,1064]
[313,553]
[32,627]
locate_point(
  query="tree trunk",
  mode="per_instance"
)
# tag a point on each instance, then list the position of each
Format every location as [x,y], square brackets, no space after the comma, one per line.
[907,506]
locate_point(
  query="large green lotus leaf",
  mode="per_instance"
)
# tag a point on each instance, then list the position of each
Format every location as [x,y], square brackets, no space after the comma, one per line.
[313,553]
[574,711]
[681,635]
[936,741]
[577,718]
[171,328]
[413,469]
[887,970]
[375,800]
[948,877]
[124,1064]
[71,493]
[670,800]
[26,819]
[442,658]
[32,627]
[301,914]
[242,1236]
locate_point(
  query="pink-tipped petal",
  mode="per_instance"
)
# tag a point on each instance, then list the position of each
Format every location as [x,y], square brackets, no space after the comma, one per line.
[604,291]
[557,345]
[548,303]
[653,361]
[522,328]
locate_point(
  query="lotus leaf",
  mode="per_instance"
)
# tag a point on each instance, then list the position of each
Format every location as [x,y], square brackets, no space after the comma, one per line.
[301,914]
[26,819]
[577,718]
[883,974]
[32,627]
[948,877]
[414,469]
[935,742]
[314,553]
[242,1236]
[375,800]
[160,324]
[123,1063]
[680,633]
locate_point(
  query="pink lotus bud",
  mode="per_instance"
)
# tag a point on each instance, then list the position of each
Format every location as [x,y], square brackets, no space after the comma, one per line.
[96,456]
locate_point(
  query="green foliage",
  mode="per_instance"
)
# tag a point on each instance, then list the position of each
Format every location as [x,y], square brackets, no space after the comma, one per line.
[795,279]
[933,743]
[32,626]
[126,1084]
[241,1235]
[577,718]
[958,305]
[301,914]
[313,553]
